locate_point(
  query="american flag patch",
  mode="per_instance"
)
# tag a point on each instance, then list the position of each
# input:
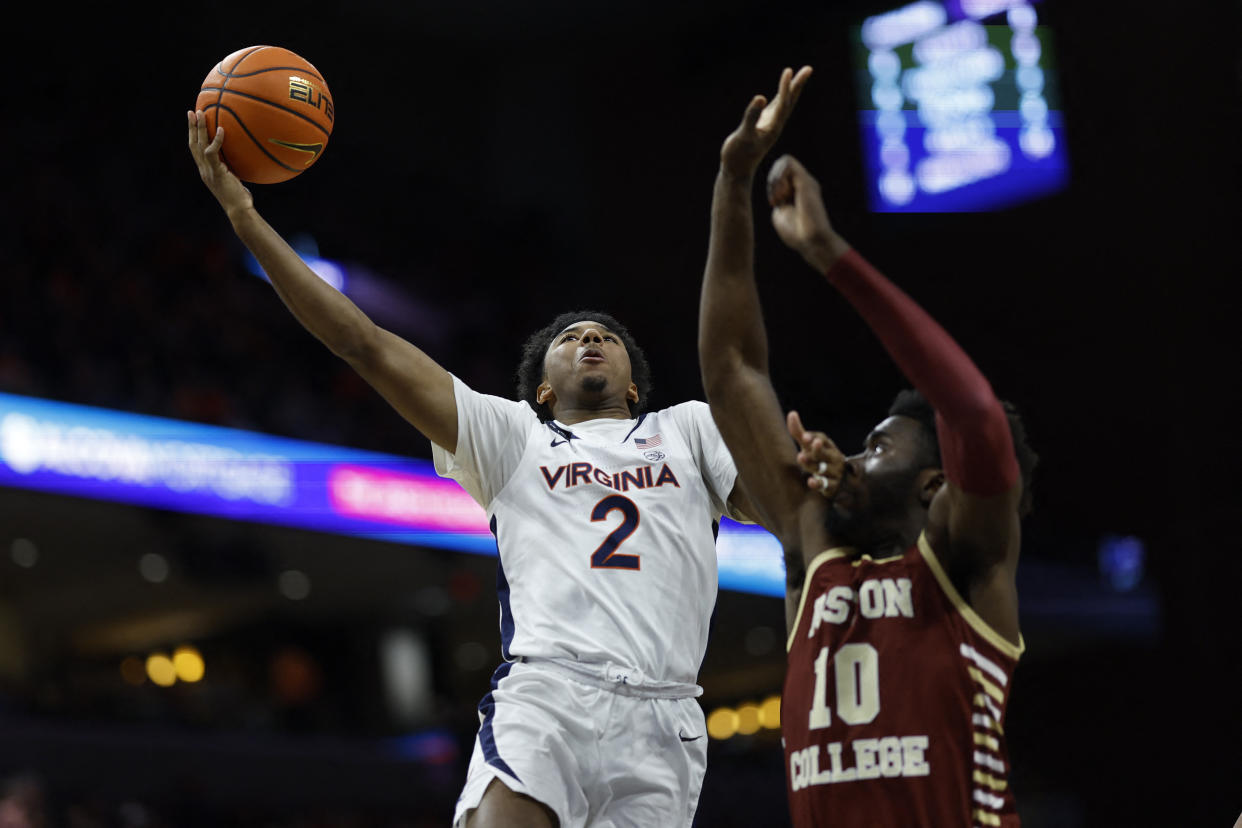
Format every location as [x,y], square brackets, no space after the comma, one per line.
[648,442]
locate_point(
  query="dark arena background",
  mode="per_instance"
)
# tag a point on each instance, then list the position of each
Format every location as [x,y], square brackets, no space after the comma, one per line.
[168,662]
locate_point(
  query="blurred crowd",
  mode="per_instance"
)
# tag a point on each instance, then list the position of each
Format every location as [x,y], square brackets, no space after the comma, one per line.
[122,308]
[132,293]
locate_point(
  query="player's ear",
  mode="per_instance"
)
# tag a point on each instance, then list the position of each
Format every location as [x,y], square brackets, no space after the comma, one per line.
[545,394]
[632,393]
[930,481]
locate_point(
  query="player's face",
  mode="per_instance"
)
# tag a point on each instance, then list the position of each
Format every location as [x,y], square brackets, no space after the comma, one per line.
[587,362]
[881,484]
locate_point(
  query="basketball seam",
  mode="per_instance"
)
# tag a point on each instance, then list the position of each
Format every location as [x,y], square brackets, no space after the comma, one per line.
[219,66]
[256,142]
[268,69]
[327,134]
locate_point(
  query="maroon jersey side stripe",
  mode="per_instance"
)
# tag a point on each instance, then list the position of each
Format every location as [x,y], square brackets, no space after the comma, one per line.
[990,661]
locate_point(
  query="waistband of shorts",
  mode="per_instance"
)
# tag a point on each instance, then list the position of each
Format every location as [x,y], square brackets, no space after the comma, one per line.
[625,681]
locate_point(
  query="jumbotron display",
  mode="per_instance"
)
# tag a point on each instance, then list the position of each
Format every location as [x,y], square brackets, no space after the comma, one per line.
[167,464]
[959,107]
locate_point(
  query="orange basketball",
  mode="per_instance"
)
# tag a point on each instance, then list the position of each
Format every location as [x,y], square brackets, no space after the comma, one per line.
[276,112]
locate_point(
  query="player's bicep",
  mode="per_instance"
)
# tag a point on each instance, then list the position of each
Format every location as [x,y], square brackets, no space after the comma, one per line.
[977,532]
[413,383]
[750,420]
[978,539]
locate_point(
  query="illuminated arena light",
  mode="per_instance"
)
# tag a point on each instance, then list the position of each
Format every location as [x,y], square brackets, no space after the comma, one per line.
[241,475]
[746,720]
[188,664]
[160,670]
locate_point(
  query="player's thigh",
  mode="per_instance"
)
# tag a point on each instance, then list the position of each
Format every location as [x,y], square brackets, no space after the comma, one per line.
[657,763]
[538,738]
[504,808]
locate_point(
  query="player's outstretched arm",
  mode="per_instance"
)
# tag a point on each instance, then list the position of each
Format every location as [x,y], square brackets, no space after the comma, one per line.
[733,352]
[413,383]
[974,518]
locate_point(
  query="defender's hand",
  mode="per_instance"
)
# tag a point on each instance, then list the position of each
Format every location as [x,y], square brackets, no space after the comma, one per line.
[818,456]
[799,215]
[226,187]
[761,125]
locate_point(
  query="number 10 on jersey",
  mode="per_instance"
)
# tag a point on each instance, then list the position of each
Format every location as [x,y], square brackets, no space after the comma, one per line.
[857,670]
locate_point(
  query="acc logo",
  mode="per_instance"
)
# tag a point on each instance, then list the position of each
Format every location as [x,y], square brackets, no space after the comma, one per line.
[654,456]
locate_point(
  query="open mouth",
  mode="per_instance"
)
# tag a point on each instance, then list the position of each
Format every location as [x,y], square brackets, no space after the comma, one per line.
[592,357]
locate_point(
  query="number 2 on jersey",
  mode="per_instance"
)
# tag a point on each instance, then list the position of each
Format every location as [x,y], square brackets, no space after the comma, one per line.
[606,557]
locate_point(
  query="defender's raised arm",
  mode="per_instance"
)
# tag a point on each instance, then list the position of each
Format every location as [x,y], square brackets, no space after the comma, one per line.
[974,519]
[413,383]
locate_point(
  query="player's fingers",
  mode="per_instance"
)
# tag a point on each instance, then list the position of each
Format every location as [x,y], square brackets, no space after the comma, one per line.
[796,85]
[213,149]
[772,119]
[196,146]
[826,451]
[794,422]
[780,182]
[822,444]
[827,486]
[753,111]
[782,86]
[794,169]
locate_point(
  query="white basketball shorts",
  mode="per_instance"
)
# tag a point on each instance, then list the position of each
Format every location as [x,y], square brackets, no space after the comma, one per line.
[600,752]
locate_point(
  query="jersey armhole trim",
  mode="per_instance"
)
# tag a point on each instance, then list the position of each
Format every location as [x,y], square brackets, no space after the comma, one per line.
[966,610]
[822,558]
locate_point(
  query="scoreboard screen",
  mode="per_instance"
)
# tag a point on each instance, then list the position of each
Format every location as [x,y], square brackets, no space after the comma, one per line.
[959,106]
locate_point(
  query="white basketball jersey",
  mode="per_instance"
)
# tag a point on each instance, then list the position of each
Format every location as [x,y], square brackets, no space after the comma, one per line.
[606,530]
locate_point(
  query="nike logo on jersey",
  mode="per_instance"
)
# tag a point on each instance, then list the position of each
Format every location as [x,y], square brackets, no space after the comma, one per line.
[562,437]
[681,734]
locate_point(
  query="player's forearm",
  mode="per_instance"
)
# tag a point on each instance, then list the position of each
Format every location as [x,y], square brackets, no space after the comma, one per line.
[976,446]
[733,358]
[731,331]
[324,311]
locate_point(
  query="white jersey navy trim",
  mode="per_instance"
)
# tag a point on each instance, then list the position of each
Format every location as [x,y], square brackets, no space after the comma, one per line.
[607,550]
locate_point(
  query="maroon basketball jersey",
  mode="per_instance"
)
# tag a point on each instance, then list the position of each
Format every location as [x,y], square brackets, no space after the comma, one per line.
[894,699]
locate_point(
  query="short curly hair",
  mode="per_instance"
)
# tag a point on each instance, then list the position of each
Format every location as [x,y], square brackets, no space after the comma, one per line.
[530,371]
[910,403]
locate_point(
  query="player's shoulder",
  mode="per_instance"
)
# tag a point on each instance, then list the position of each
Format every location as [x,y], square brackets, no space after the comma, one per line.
[691,417]
[470,396]
[688,410]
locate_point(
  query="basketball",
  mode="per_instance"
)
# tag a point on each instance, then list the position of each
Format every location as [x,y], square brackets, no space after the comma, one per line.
[276,111]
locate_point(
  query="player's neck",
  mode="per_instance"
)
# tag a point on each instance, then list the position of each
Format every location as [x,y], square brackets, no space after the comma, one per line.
[581,412]
[889,541]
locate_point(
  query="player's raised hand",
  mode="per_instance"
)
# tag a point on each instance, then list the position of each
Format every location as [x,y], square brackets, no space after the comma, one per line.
[761,125]
[818,456]
[799,215]
[226,187]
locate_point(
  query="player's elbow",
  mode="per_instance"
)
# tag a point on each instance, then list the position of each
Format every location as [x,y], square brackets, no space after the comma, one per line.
[724,370]
[358,343]
[979,407]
